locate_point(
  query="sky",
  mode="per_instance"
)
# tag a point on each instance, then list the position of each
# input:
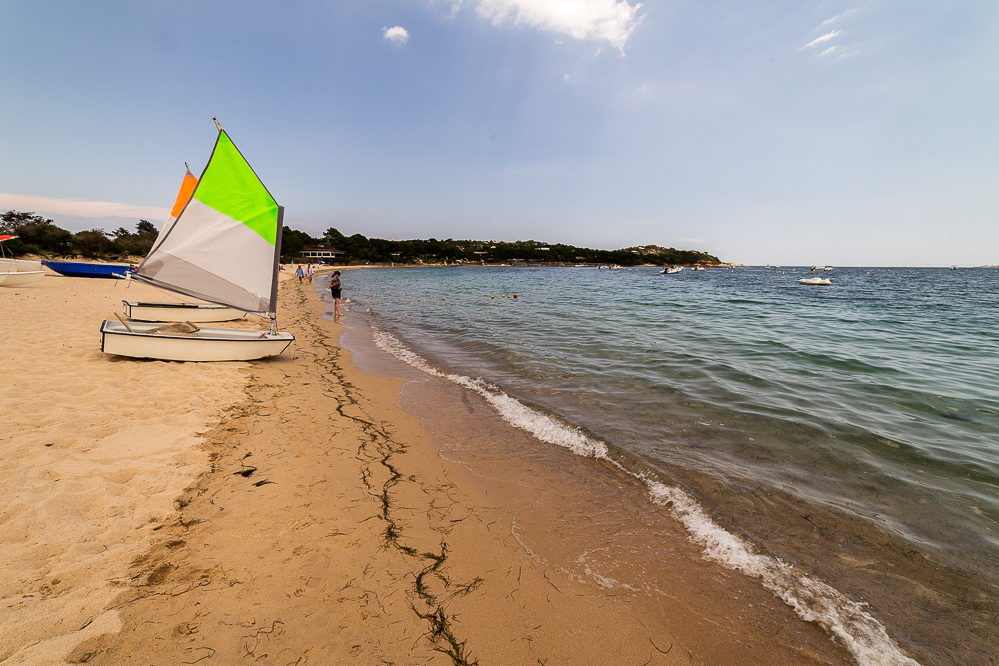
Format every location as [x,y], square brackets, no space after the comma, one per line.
[846,133]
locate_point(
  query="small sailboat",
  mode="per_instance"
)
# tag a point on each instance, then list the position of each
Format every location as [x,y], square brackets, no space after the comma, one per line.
[179,311]
[18,272]
[224,248]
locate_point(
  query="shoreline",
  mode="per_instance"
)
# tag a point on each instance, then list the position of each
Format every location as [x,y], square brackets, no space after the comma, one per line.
[334,526]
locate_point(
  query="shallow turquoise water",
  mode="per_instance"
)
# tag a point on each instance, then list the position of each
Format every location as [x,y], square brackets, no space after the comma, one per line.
[852,430]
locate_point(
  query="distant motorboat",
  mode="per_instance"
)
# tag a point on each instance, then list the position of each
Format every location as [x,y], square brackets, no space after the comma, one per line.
[953,268]
[697,268]
[671,270]
[817,281]
[827,268]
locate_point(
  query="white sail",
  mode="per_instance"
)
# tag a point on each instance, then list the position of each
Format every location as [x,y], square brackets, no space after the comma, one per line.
[183,196]
[225,245]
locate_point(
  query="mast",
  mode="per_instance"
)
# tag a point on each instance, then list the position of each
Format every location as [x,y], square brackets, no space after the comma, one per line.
[277,267]
[277,258]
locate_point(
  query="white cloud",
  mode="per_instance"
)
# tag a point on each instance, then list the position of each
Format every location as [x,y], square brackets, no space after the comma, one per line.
[829,51]
[611,21]
[824,38]
[53,206]
[642,91]
[455,6]
[837,17]
[398,34]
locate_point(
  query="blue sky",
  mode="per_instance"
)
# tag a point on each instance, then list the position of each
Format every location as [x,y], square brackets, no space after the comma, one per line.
[830,132]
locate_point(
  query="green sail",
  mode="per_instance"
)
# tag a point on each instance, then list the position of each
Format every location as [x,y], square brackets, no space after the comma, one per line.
[230,186]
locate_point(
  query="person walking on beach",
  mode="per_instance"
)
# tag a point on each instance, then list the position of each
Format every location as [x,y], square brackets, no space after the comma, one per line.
[309,272]
[299,273]
[335,288]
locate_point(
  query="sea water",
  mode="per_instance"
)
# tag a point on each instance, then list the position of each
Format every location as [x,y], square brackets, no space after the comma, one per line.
[838,443]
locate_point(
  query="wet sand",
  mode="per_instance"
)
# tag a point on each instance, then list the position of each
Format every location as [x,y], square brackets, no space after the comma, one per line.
[316,521]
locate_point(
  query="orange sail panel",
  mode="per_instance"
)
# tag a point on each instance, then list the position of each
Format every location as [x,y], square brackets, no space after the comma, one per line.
[186,190]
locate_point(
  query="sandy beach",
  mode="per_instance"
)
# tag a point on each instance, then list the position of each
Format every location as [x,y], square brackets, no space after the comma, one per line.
[289,511]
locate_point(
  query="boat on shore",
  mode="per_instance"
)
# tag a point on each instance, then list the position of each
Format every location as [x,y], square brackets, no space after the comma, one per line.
[223,248]
[166,311]
[186,342]
[88,270]
[171,310]
[18,272]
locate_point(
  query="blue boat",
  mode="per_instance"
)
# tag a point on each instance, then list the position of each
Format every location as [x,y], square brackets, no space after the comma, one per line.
[79,269]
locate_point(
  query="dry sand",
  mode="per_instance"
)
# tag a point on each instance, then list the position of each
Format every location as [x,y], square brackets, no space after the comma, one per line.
[289,512]
[93,452]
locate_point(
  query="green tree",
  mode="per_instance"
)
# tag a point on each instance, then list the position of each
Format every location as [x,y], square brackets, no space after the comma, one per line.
[92,243]
[293,241]
[135,245]
[146,227]
[37,234]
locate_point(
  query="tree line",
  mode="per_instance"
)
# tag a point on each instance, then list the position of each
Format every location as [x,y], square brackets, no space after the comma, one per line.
[360,249]
[38,235]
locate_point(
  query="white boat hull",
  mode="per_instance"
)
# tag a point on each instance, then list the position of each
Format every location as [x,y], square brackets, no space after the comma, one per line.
[17,272]
[20,278]
[207,344]
[818,282]
[193,312]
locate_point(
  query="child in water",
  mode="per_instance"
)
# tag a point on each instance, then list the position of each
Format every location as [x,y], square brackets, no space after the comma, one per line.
[335,288]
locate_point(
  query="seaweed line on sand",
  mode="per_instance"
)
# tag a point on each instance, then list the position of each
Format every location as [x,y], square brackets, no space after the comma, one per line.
[379,449]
